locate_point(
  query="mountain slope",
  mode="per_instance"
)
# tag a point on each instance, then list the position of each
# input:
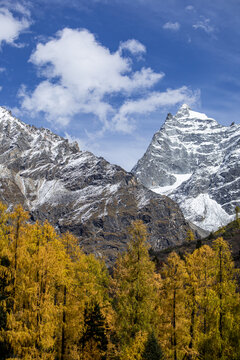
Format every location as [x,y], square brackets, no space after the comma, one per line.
[80,192]
[195,161]
[230,233]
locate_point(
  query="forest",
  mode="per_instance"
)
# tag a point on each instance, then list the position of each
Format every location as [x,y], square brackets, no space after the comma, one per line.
[57,303]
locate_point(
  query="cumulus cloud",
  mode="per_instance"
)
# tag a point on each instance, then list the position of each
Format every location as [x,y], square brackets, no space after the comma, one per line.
[81,76]
[133,46]
[80,73]
[204,25]
[12,26]
[171,26]
[150,103]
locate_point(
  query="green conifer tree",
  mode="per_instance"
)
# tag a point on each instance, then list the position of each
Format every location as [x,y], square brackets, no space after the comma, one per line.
[152,350]
[94,335]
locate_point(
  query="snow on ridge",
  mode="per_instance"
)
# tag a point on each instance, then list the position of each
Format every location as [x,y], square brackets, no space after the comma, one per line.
[2,111]
[197,115]
[165,190]
[37,135]
[192,143]
[187,112]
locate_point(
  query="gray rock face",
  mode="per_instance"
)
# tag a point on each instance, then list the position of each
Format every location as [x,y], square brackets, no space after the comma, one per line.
[80,192]
[195,161]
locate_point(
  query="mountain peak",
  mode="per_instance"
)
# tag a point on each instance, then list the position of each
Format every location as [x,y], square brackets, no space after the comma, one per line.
[4,111]
[195,161]
[184,107]
[184,110]
[187,113]
[79,192]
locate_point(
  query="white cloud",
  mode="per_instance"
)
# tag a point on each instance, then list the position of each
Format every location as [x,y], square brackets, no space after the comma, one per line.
[21,9]
[11,26]
[52,99]
[151,103]
[132,45]
[205,25]
[81,74]
[171,26]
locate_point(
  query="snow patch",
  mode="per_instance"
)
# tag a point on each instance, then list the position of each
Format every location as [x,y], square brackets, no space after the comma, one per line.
[166,190]
[205,212]
[142,200]
[48,190]
[197,115]
[5,172]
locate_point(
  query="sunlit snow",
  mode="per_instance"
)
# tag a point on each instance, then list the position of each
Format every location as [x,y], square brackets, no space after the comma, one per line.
[165,190]
[205,212]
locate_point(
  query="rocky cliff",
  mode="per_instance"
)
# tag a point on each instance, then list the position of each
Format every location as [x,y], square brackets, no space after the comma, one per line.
[195,161]
[80,192]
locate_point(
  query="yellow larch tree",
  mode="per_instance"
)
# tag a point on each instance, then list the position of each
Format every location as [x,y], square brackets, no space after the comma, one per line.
[5,279]
[173,326]
[17,334]
[199,297]
[190,236]
[33,319]
[85,282]
[136,291]
[227,301]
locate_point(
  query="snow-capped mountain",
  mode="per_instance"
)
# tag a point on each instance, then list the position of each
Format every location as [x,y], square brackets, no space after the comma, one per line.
[80,192]
[195,161]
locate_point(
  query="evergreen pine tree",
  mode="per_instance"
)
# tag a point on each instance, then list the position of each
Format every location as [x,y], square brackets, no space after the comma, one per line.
[152,350]
[94,335]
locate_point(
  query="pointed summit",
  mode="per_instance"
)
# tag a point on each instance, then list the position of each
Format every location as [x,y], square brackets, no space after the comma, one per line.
[183,111]
[3,111]
[6,116]
[79,192]
[195,161]
[184,107]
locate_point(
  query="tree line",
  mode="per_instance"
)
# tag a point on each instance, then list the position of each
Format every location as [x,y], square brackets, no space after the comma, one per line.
[57,303]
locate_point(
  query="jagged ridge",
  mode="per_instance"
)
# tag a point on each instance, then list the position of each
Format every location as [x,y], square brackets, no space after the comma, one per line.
[195,161]
[80,192]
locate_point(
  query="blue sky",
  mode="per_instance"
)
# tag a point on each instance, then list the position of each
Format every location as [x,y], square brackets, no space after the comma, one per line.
[106,72]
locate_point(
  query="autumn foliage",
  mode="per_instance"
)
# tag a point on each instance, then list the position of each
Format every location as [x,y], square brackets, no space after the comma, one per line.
[57,303]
